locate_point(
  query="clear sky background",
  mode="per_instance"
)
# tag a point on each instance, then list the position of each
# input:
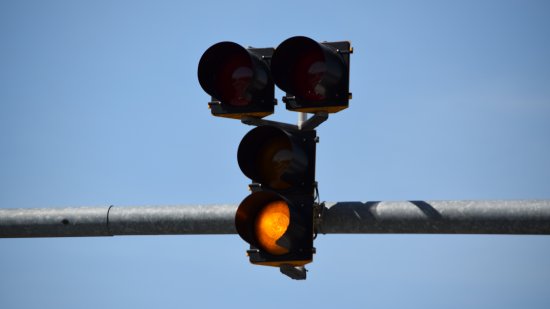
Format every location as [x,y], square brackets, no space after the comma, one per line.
[100,105]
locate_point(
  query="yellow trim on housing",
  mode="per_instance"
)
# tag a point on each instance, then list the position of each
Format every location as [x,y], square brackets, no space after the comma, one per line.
[240,116]
[326,109]
[279,263]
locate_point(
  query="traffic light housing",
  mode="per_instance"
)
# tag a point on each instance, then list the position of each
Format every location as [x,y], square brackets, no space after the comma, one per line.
[277,218]
[315,76]
[238,79]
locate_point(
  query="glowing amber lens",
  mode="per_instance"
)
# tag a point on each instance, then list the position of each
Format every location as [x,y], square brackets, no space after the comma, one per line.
[271,224]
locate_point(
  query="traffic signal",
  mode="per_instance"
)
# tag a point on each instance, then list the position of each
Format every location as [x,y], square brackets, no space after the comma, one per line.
[238,79]
[277,218]
[315,76]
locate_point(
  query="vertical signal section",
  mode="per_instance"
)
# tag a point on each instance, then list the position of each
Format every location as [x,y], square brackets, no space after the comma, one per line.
[277,218]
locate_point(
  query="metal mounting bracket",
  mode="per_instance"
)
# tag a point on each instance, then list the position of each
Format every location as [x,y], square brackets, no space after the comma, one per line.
[308,125]
[318,213]
[314,121]
[294,272]
[254,121]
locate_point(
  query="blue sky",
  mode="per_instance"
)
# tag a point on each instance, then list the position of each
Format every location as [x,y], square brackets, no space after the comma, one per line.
[100,105]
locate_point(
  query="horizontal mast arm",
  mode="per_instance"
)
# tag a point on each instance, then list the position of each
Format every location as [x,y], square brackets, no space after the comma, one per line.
[429,217]
[438,217]
[114,221]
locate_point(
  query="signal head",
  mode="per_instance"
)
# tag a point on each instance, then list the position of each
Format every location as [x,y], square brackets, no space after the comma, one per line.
[273,157]
[314,75]
[279,229]
[238,79]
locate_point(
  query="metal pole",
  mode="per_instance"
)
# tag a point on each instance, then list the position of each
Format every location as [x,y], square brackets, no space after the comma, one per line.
[111,221]
[302,117]
[430,217]
[438,217]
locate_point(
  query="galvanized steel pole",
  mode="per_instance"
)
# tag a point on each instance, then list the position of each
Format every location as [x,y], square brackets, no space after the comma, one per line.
[438,217]
[111,221]
[430,217]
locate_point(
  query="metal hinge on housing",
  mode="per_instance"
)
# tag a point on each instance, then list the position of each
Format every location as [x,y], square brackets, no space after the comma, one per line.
[318,213]
[255,187]
[294,272]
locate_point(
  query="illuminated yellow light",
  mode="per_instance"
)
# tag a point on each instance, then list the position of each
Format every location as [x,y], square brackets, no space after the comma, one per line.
[271,224]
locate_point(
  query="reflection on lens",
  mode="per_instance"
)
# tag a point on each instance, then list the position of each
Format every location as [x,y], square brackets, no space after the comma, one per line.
[271,224]
[309,71]
[273,162]
[234,79]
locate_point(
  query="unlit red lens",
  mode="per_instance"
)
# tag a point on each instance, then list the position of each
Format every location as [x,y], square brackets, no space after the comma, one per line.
[271,224]
[309,71]
[234,79]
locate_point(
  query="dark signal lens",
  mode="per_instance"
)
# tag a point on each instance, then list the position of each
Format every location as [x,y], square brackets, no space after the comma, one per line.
[233,80]
[273,157]
[309,71]
[274,160]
